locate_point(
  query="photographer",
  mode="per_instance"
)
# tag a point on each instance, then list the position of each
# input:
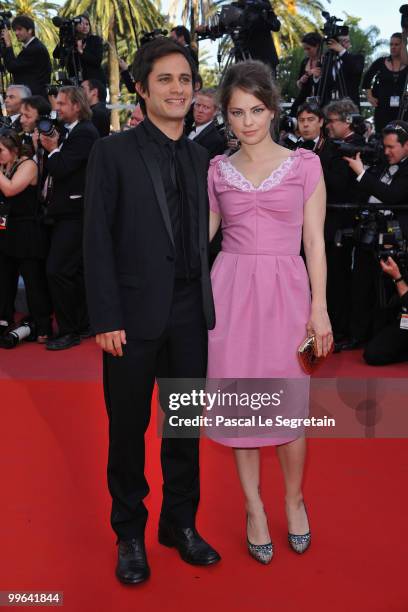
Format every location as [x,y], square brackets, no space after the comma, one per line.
[32,108]
[182,36]
[81,52]
[67,160]
[32,66]
[249,23]
[385,83]
[390,345]
[13,100]
[310,70]
[24,241]
[341,190]
[95,92]
[385,184]
[347,69]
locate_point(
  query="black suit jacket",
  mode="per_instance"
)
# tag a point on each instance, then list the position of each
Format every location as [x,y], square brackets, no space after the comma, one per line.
[101,118]
[395,194]
[352,70]
[211,139]
[31,67]
[68,169]
[129,251]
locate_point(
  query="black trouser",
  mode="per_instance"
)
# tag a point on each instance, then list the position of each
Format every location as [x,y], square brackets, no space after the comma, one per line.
[35,280]
[366,288]
[339,260]
[65,276]
[390,345]
[8,289]
[181,351]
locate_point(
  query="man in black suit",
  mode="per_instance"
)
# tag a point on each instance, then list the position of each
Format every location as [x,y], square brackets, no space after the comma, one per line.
[204,131]
[66,166]
[95,92]
[347,69]
[13,100]
[150,299]
[181,35]
[32,66]
[383,186]
[341,190]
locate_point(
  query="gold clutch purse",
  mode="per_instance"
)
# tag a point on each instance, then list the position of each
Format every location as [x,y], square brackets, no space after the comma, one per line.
[307,354]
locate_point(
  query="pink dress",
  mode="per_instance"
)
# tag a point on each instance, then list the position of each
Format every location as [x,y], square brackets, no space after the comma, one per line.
[260,282]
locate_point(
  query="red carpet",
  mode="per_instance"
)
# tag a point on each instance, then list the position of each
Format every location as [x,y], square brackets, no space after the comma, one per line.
[55,532]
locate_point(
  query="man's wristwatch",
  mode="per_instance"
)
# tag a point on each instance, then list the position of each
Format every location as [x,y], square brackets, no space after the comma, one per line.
[398,280]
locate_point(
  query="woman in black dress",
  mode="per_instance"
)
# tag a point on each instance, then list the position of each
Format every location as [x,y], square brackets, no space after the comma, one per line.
[385,82]
[310,70]
[24,240]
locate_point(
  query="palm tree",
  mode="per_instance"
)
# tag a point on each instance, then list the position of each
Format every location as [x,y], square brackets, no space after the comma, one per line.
[41,13]
[115,19]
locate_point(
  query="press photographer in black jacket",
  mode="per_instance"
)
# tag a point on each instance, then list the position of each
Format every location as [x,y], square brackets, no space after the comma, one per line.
[32,66]
[86,59]
[66,164]
[341,189]
[390,345]
[383,186]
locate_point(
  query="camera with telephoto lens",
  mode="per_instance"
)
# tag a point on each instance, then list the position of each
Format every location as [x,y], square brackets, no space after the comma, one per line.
[149,36]
[47,125]
[371,154]
[330,29]
[404,16]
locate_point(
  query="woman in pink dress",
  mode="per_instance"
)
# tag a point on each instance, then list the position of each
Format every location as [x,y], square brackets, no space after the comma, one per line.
[265,196]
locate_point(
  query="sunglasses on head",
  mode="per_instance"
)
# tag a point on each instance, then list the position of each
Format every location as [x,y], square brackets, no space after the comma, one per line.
[396,126]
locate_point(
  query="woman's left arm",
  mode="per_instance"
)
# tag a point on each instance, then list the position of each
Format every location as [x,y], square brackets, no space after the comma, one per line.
[24,176]
[313,243]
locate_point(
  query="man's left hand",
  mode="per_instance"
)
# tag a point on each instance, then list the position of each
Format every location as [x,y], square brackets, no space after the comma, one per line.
[355,164]
[334,45]
[49,142]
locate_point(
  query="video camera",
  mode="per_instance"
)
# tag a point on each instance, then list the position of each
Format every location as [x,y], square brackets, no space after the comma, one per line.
[370,154]
[149,36]
[330,28]
[232,19]
[67,30]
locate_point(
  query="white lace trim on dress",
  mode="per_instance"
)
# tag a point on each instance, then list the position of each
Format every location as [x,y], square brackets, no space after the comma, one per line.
[234,178]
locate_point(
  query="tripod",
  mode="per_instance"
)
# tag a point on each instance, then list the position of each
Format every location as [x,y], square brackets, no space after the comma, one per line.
[330,69]
[237,53]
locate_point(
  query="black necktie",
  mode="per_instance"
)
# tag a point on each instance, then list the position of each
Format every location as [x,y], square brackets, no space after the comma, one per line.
[178,180]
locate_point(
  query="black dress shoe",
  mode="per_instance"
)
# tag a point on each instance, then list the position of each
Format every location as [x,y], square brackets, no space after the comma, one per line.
[190,545]
[132,567]
[63,342]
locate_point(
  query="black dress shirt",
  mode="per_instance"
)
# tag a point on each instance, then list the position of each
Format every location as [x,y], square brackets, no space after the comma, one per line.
[180,187]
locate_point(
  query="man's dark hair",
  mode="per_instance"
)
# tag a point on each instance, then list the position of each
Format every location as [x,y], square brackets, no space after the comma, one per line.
[396,35]
[309,107]
[41,105]
[146,57]
[182,31]
[22,21]
[100,87]
[313,39]
[399,128]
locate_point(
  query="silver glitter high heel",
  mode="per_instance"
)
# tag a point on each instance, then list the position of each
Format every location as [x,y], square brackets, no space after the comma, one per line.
[300,543]
[260,552]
